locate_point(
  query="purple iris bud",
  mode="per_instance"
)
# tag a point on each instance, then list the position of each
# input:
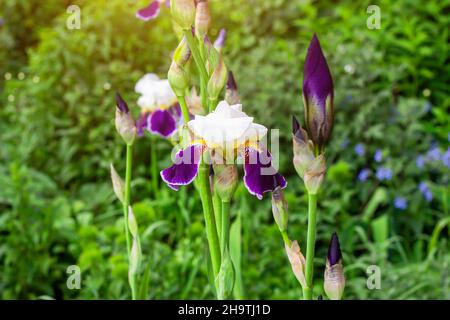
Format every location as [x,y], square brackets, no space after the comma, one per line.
[384,173]
[378,155]
[446,158]
[318,95]
[220,40]
[400,203]
[334,250]
[360,150]
[420,162]
[150,12]
[231,93]
[121,104]
[363,175]
[298,134]
[426,192]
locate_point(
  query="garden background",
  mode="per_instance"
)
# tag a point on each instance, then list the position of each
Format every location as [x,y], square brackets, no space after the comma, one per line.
[386,191]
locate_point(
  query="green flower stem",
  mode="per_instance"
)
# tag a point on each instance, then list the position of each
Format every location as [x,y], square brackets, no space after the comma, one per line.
[285,238]
[217,204]
[184,108]
[225,233]
[310,244]
[154,166]
[126,200]
[211,231]
[200,66]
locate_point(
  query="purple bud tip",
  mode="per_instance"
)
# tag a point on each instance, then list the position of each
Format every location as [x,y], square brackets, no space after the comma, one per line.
[317,81]
[334,250]
[296,130]
[121,104]
[231,83]
[220,41]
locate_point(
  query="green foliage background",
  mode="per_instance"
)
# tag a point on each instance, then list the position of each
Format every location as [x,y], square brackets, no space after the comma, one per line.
[58,138]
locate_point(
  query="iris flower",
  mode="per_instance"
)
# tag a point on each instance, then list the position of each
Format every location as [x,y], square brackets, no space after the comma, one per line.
[226,135]
[161,113]
[151,11]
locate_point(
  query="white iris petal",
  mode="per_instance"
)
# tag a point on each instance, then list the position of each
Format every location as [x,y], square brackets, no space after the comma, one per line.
[154,92]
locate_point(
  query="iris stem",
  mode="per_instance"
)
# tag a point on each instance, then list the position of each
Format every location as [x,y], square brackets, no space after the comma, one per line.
[285,238]
[154,166]
[225,234]
[310,244]
[217,204]
[212,104]
[211,230]
[200,66]
[126,204]
[184,108]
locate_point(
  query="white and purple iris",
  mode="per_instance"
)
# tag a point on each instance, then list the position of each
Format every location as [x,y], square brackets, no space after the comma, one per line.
[223,135]
[161,113]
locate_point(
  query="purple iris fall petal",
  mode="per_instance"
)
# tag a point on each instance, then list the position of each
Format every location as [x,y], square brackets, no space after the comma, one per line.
[185,167]
[260,177]
[150,12]
[318,94]
[334,250]
[162,122]
[141,123]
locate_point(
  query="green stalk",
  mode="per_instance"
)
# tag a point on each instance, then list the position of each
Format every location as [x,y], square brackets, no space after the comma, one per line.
[184,108]
[200,66]
[154,166]
[225,233]
[211,231]
[217,204]
[285,238]
[310,244]
[126,202]
[212,104]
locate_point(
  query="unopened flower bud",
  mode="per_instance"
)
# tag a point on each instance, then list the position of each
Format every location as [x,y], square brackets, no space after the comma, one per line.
[297,261]
[225,180]
[132,223]
[178,79]
[279,208]
[212,56]
[231,93]
[125,124]
[303,151]
[220,40]
[334,279]
[217,80]
[314,174]
[135,259]
[182,53]
[183,13]
[118,185]
[226,277]
[318,95]
[202,19]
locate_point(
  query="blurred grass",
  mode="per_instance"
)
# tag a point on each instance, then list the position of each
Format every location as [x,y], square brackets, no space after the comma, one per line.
[58,138]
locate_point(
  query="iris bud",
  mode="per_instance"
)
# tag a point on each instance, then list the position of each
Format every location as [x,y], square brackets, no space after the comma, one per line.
[217,80]
[182,53]
[297,261]
[220,40]
[318,95]
[279,208]
[132,223]
[334,280]
[183,12]
[226,277]
[314,175]
[125,124]
[118,185]
[178,79]
[231,93]
[225,180]
[202,19]
[135,259]
[212,56]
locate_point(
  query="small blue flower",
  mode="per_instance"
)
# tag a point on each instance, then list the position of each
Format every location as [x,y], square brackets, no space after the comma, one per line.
[400,203]
[378,155]
[446,158]
[427,194]
[420,162]
[363,175]
[433,154]
[384,173]
[359,149]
